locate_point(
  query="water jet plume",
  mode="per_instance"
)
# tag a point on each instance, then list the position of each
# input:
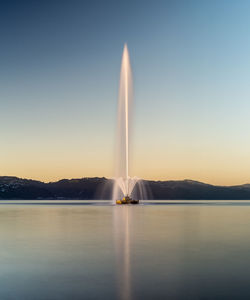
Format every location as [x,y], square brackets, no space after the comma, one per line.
[123,183]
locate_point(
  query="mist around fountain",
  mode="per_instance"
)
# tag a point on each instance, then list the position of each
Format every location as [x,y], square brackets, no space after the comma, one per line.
[124,185]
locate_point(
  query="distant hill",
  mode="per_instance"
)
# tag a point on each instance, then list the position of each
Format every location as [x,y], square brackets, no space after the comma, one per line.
[84,188]
[194,190]
[101,188]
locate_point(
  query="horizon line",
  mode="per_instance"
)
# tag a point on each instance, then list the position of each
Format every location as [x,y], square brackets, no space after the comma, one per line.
[108,178]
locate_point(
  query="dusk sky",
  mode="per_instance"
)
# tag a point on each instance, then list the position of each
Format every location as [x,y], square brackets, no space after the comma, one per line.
[59,79]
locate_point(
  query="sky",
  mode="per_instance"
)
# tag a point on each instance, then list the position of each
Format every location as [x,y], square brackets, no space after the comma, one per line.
[59,79]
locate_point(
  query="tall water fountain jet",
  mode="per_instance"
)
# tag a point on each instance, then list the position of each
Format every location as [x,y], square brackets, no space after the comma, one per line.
[124,184]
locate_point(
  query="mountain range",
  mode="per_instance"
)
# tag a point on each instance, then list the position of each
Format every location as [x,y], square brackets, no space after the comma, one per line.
[101,188]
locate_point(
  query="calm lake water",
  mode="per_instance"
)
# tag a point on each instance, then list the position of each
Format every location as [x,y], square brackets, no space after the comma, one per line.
[61,250]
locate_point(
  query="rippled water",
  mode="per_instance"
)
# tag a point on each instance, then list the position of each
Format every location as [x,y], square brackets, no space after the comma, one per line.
[79,250]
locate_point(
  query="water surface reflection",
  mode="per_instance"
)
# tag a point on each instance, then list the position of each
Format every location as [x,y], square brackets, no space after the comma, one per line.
[124,252]
[121,225]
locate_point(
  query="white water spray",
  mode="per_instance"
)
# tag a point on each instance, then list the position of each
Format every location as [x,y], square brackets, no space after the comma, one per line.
[124,185]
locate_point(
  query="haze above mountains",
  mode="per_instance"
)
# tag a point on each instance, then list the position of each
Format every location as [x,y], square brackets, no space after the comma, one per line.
[101,188]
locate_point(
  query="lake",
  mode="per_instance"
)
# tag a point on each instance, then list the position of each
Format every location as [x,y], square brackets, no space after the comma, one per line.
[93,250]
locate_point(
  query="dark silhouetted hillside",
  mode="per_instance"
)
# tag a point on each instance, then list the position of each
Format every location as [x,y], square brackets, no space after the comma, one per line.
[101,188]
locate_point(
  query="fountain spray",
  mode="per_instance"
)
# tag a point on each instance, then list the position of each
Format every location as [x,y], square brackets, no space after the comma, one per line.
[124,184]
[126,66]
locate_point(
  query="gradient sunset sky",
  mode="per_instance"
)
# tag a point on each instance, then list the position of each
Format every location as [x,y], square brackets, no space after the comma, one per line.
[59,79]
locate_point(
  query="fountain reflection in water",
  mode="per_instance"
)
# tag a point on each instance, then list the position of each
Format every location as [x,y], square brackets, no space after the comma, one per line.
[121,227]
[124,185]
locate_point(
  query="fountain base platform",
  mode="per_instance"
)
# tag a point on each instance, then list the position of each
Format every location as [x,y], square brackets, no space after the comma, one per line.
[127,200]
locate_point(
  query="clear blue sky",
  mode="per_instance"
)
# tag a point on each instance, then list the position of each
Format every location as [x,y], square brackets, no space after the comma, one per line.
[59,78]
